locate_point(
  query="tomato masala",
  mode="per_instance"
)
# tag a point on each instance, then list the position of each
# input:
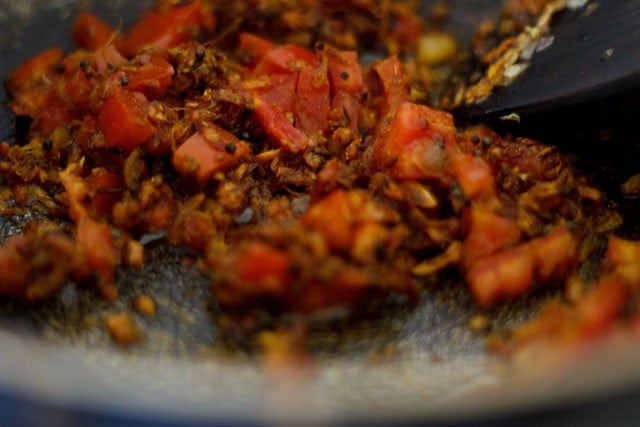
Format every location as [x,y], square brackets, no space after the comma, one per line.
[306,174]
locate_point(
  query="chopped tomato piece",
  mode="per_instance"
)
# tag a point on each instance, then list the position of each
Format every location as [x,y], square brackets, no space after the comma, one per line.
[161,214]
[312,102]
[197,231]
[167,27]
[152,78]
[253,47]
[621,251]
[336,227]
[506,274]
[554,254]
[369,239]
[600,307]
[73,84]
[76,91]
[341,215]
[14,269]
[35,71]
[90,32]
[286,224]
[123,120]
[208,152]
[473,174]
[37,263]
[593,315]
[623,257]
[347,84]
[265,267]
[510,273]
[327,177]
[346,108]
[104,190]
[488,233]
[414,146]
[87,129]
[45,106]
[281,92]
[95,239]
[300,84]
[278,127]
[76,190]
[394,87]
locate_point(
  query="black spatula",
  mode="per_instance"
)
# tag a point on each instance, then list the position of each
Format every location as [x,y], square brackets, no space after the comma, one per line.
[595,54]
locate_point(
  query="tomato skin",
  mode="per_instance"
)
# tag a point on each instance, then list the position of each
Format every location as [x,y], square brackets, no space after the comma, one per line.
[167,27]
[90,32]
[123,120]
[152,78]
[414,145]
[206,153]
[278,127]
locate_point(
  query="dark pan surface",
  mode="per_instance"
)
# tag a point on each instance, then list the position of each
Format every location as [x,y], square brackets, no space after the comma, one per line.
[422,362]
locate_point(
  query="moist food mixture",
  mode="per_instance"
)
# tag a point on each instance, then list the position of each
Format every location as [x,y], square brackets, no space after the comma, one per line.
[305,174]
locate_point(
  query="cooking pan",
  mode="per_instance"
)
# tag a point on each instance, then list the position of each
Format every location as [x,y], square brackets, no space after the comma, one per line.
[382,363]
